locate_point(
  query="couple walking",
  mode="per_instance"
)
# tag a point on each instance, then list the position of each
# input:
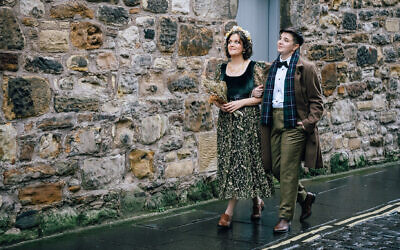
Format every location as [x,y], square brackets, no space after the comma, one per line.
[249,153]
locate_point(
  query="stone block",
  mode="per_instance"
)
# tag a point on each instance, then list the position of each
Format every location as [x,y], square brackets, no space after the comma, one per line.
[83,141]
[98,172]
[184,153]
[162,64]
[329,78]
[128,83]
[354,143]
[167,34]
[390,55]
[75,104]
[43,65]
[366,15]
[56,122]
[356,89]
[183,83]
[107,61]
[215,8]
[388,117]
[131,3]
[27,173]
[53,41]
[365,105]
[28,219]
[330,19]
[41,194]
[366,128]
[78,63]
[343,111]
[211,67]
[49,146]
[171,143]
[141,63]
[57,221]
[395,70]
[180,6]
[70,9]
[153,128]
[32,7]
[198,115]
[194,41]
[85,35]
[117,16]
[149,34]
[12,37]
[207,144]
[179,169]
[349,21]
[149,47]
[26,149]
[379,102]
[129,38]
[392,25]
[155,6]
[381,39]
[152,85]
[8,143]
[328,53]
[8,62]
[366,56]
[145,21]
[66,167]
[356,38]
[125,133]
[141,163]
[25,97]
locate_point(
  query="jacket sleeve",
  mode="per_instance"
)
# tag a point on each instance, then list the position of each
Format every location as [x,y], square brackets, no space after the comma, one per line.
[314,98]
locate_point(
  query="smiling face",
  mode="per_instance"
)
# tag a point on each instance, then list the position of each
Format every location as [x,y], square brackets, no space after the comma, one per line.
[287,45]
[235,45]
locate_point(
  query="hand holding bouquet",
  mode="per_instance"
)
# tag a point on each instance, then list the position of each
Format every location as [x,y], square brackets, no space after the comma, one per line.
[218,92]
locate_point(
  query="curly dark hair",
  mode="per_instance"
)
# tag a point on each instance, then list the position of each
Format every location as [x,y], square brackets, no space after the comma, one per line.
[247,45]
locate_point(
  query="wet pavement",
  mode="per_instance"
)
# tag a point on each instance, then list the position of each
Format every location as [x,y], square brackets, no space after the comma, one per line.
[359,211]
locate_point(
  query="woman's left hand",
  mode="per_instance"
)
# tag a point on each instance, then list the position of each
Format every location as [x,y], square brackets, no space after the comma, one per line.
[233,106]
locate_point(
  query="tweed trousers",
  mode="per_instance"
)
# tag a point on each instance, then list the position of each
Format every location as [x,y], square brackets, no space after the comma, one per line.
[287,147]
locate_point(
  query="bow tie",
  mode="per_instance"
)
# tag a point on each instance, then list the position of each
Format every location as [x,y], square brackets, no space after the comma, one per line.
[280,64]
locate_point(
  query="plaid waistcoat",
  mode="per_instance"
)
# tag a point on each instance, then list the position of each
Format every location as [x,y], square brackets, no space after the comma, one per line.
[289,101]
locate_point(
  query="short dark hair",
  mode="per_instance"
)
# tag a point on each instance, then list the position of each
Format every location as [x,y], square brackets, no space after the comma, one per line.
[247,45]
[296,33]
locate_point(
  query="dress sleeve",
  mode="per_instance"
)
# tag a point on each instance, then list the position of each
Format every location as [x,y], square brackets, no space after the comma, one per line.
[260,73]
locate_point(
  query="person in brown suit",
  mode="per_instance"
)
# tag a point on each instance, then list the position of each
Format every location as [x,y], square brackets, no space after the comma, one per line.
[292,105]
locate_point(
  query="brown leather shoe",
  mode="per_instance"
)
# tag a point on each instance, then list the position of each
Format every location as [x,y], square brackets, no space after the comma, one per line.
[283,226]
[225,221]
[257,210]
[306,206]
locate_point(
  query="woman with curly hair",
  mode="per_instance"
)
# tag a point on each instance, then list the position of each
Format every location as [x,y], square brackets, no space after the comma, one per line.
[240,172]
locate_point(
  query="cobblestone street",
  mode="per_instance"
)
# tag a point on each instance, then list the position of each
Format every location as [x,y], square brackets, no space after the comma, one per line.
[379,229]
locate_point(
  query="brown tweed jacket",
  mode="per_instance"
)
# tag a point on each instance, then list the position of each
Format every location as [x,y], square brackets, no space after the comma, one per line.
[309,105]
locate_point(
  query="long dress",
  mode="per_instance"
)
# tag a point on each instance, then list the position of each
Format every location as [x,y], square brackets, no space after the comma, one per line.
[240,173]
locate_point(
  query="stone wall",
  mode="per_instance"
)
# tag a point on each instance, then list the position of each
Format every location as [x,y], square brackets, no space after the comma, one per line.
[102,113]
[355,45]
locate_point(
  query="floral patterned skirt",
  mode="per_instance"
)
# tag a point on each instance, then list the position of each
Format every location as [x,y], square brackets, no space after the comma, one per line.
[240,172]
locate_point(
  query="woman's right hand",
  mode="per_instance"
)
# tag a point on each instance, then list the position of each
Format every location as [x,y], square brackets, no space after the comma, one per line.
[220,106]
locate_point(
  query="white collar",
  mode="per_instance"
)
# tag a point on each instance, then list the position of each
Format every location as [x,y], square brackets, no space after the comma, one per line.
[287,59]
